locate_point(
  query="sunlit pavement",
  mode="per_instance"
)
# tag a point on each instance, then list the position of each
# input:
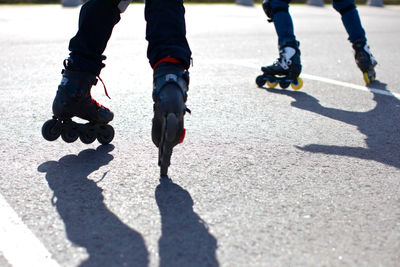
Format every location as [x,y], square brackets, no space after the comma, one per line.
[265,177]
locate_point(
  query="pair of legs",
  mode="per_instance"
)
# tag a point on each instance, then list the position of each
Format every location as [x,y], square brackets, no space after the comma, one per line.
[289,61]
[168,53]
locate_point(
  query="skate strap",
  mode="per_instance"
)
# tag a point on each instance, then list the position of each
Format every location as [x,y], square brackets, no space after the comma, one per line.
[161,80]
[105,89]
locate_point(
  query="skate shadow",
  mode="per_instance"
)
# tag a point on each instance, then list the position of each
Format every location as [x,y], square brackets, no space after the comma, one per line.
[381,125]
[88,222]
[185,239]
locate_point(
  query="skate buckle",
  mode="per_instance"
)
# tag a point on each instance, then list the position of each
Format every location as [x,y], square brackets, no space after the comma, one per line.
[171,78]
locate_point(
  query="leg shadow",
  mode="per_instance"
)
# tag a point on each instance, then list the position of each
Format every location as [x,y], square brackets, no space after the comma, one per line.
[185,239]
[381,125]
[88,222]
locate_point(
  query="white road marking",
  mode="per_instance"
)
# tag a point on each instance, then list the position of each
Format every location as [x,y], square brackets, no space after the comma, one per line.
[18,244]
[350,85]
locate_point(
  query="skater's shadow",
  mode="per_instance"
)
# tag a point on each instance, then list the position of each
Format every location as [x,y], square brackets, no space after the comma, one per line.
[185,239]
[381,125]
[88,222]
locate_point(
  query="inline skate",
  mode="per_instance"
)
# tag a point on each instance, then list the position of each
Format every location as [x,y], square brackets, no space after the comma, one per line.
[284,71]
[365,61]
[73,99]
[170,83]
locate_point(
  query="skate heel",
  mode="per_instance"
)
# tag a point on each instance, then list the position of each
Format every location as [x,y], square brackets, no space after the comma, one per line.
[170,86]
[172,127]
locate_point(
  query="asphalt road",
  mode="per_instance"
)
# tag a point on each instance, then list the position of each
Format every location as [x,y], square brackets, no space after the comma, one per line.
[265,177]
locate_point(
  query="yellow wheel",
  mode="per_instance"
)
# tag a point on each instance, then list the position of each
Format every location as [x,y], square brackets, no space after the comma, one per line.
[298,85]
[272,85]
[366,78]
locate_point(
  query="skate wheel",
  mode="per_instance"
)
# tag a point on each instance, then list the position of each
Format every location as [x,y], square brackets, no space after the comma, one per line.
[105,134]
[298,84]
[69,136]
[88,134]
[284,84]
[369,77]
[260,81]
[366,78]
[51,130]
[70,132]
[272,84]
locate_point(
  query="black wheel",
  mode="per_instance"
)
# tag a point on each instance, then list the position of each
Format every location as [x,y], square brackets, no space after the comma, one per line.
[70,132]
[284,84]
[105,134]
[51,129]
[88,134]
[260,81]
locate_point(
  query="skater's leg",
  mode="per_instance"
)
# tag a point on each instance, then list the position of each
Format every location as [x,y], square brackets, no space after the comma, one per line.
[169,55]
[278,12]
[166,31]
[96,21]
[352,23]
[73,99]
[286,69]
[351,19]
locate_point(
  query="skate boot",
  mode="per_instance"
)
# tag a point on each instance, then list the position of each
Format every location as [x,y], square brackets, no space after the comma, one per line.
[170,83]
[73,99]
[365,61]
[284,71]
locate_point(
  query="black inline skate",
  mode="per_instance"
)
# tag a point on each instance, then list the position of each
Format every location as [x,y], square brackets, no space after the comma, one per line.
[170,83]
[365,61]
[73,99]
[284,71]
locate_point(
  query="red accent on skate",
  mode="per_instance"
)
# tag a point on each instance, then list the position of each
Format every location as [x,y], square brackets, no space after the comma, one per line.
[182,136]
[105,89]
[167,59]
[94,101]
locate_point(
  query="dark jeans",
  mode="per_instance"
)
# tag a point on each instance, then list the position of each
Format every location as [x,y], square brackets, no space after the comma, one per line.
[349,14]
[165,33]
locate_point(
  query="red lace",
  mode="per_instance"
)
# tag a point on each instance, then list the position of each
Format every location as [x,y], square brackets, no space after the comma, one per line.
[167,59]
[105,91]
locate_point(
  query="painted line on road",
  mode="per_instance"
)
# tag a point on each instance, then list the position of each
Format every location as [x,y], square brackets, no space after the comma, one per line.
[350,85]
[18,244]
[327,80]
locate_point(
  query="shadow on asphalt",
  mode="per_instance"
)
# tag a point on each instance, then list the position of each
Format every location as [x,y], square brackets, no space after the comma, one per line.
[88,222]
[185,239]
[381,126]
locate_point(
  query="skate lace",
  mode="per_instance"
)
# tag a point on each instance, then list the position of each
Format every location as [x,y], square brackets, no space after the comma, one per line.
[283,62]
[93,101]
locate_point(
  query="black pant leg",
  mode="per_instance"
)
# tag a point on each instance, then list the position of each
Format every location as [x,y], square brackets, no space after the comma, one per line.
[96,21]
[166,31]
